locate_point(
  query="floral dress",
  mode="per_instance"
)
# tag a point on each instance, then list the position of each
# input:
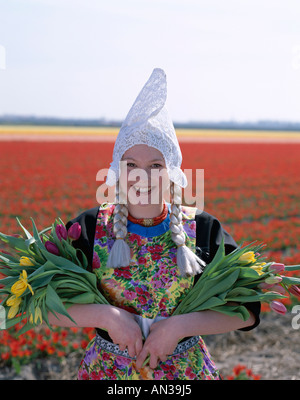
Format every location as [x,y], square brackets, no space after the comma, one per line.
[150,286]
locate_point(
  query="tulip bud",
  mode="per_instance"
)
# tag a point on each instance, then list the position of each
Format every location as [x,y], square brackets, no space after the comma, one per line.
[265,286]
[96,261]
[247,258]
[278,307]
[278,289]
[26,262]
[52,248]
[61,232]
[294,290]
[273,279]
[74,231]
[277,268]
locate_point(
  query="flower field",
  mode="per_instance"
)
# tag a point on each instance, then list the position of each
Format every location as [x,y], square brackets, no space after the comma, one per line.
[252,188]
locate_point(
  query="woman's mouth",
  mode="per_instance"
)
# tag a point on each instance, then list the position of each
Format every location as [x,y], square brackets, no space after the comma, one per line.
[140,190]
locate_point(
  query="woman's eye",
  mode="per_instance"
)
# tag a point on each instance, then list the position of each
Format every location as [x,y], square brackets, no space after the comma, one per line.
[131,165]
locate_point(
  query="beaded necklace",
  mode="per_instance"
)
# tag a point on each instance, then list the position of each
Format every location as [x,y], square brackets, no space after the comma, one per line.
[150,221]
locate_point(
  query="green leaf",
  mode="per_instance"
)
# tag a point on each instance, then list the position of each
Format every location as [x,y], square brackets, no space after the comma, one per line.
[13,321]
[213,301]
[54,303]
[8,281]
[38,240]
[290,280]
[223,283]
[263,297]
[27,233]
[216,260]
[27,327]
[42,304]
[43,280]
[83,298]
[4,291]
[233,311]
[39,234]
[15,243]
[7,257]
[292,267]
[241,291]
[63,263]
[9,271]
[84,262]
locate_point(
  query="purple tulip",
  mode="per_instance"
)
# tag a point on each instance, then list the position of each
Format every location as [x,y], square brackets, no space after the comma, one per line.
[96,261]
[52,248]
[277,268]
[294,290]
[74,231]
[265,286]
[279,289]
[61,232]
[278,307]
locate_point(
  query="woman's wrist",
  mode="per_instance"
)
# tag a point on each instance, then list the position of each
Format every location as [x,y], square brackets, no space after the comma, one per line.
[180,326]
[104,317]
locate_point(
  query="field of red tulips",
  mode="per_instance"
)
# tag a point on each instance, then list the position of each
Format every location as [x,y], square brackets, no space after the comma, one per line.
[252,188]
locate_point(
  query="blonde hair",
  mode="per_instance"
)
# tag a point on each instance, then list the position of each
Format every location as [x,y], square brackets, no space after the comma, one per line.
[189,263]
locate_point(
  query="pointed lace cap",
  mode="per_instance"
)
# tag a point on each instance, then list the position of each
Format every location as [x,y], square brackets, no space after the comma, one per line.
[148,122]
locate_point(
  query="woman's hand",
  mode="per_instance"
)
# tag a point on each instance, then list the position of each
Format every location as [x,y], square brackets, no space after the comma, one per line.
[161,342]
[123,330]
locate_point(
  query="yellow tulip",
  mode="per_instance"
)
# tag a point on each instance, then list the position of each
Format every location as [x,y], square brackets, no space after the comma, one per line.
[19,287]
[37,316]
[258,269]
[13,301]
[26,262]
[247,258]
[13,311]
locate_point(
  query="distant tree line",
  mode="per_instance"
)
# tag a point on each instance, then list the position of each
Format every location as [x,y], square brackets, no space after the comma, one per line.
[102,122]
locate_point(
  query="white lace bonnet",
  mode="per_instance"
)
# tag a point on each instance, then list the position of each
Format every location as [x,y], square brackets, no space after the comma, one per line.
[148,123]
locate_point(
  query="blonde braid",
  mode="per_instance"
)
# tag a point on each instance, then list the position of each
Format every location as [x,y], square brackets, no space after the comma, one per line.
[119,255]
[189,263]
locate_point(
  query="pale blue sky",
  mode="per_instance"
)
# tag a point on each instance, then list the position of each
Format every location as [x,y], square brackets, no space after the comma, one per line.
[233,59]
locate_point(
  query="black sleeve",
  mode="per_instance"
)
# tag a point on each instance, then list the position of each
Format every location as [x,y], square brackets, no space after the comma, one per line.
[87,221]
[209,234]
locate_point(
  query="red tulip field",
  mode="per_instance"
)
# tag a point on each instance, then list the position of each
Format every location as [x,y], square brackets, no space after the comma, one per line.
[252,188]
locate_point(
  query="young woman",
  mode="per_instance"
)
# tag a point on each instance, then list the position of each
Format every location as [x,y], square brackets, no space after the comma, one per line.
[147,255]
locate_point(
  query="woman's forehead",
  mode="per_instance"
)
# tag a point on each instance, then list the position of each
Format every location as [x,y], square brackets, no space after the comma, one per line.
[143,152]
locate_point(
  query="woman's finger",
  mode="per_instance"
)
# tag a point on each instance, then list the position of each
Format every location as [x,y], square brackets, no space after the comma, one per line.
[141,357]
[122,346]
[163,358]
[153,361]
[131,350]
[138,346]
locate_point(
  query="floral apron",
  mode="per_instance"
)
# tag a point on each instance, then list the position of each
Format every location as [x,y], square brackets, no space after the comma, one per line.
[150,286]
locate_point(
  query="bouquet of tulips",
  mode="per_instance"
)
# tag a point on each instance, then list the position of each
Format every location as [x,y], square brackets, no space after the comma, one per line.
[243,276]
[45,274]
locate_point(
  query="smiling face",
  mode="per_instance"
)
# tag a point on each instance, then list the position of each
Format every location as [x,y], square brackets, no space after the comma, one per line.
[145,178]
